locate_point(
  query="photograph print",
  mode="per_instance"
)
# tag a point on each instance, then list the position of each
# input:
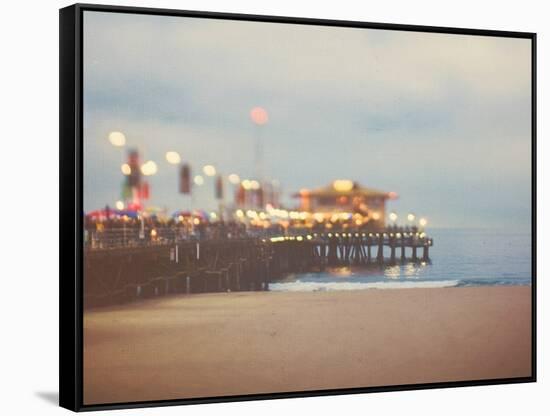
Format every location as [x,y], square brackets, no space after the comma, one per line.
[280,207]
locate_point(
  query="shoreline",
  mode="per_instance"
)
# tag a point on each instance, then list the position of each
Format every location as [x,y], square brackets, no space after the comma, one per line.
[219,344]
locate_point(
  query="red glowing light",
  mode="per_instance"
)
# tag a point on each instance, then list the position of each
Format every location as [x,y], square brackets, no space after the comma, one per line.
[259,116]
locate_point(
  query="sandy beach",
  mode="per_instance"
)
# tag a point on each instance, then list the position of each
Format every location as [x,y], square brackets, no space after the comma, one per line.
[265,342]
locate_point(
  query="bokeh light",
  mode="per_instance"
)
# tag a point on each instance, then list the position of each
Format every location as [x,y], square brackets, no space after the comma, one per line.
[234,178]
[117,138]
[126,169]
[259,116]
[173,157]
[342,185]
[209,170]
[149,168]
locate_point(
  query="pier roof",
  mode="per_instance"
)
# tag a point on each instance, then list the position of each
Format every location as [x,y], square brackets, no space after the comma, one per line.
[344,188]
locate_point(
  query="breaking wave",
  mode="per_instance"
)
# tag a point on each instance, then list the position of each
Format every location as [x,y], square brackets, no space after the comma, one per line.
[299,286]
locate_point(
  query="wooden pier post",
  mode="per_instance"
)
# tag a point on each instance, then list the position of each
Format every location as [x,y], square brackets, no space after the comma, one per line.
[392,248]
[238,275]
[426,254]
[358,252]
[347,249]
[332,252]
[369,253]
[380,254]
[322,256]
[266,274]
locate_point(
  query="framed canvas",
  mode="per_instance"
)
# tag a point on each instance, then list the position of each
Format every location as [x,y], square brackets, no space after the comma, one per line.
[257,207]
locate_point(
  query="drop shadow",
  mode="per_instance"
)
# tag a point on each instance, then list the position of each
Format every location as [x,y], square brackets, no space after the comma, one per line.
[51,397]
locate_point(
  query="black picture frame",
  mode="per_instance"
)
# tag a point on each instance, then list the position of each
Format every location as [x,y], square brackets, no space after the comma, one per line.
[71,203]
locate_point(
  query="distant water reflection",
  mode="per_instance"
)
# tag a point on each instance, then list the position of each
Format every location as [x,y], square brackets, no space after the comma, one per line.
[459,258]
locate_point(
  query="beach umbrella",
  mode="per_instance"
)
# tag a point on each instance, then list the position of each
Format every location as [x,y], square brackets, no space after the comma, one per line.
[181,213]
[126,212]
[98,213]
[102,213]
[154,212]
[198,213]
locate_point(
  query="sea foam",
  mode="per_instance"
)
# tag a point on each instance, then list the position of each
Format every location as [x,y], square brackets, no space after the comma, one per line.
[299,286]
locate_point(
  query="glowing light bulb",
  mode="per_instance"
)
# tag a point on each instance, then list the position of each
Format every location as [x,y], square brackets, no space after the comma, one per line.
[149,168]
[342,185]
[126,169]
[234,178]
[209,170]
[259,116]
[117,138]
[173,157]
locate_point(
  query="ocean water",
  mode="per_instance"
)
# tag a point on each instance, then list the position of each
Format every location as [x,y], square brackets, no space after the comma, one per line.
[459,257]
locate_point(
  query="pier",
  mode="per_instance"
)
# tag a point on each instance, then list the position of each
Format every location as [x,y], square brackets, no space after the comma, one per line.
[122,270]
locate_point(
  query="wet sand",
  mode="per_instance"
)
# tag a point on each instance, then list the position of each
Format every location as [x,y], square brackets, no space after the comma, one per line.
[265,342]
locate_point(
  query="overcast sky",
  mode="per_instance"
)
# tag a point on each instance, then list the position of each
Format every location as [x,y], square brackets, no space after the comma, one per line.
[443,120]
